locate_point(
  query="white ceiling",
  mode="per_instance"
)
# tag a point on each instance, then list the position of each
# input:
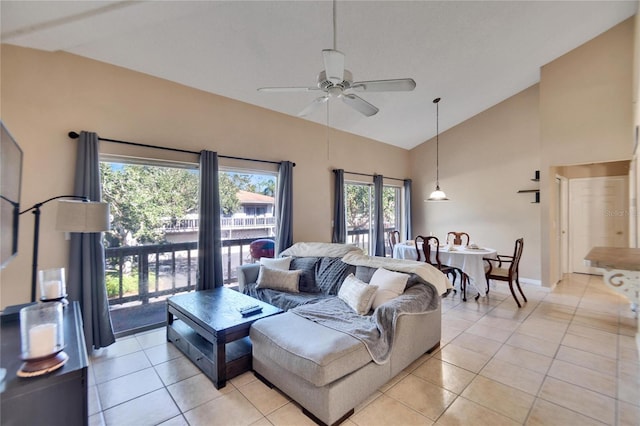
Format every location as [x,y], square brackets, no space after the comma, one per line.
[472,54]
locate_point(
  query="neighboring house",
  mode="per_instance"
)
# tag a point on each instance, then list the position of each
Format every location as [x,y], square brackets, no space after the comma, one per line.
[254,204]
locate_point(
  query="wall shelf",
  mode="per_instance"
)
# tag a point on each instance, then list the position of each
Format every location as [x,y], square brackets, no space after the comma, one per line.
[535,191]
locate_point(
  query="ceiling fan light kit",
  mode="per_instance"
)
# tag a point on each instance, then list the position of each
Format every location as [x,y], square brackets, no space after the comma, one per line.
[438,194]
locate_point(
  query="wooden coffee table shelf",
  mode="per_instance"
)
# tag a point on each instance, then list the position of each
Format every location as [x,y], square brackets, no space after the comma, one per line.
[207,327]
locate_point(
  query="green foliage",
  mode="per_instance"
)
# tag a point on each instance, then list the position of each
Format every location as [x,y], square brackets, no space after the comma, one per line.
[357,205]
[229,203]
[142,198]
[359,208]
[129,283]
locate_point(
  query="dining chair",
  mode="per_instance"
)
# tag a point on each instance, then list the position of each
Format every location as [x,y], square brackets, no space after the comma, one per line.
[427,243]
[394,238]
[459,238]
[509,274]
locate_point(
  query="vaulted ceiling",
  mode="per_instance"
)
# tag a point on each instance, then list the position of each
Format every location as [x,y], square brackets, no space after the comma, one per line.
[472,54]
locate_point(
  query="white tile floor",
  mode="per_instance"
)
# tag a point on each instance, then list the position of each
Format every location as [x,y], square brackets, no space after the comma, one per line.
[568,357]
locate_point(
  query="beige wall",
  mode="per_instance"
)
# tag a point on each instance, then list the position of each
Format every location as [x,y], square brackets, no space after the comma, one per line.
[483,163]
[585,117]
[580,113]
[46,95]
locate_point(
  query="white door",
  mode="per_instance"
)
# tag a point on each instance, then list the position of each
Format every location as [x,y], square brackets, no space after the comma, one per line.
[598,216]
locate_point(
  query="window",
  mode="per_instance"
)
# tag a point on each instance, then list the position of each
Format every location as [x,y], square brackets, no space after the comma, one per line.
[151,250]
[359,207]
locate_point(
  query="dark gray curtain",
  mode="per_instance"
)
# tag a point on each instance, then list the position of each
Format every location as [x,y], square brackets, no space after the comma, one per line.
[339,215]
[378,217]
[209,235]
[284,206]
[407,210]
[86,262]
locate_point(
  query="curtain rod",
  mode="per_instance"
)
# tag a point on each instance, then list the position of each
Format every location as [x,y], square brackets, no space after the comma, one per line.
[75,135]
[366,174]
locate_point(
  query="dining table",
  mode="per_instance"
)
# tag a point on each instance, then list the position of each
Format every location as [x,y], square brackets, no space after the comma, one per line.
[468,259]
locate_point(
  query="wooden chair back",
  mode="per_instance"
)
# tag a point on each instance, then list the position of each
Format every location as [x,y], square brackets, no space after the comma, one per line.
[459,238]
[517,254]
[394,238]
[427,248]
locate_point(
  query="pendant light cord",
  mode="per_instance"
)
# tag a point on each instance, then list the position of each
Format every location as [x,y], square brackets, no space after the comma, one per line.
[436,101]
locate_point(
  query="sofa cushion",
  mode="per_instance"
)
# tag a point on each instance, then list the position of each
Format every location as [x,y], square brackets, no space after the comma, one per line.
[330,274]
[328,356]
[357,294]
[390,285]
[277,279]
[308,276]
[364,273]
[279,263]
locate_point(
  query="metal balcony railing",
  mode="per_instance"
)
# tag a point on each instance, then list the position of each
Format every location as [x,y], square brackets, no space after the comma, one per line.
[147,272]
[247,222]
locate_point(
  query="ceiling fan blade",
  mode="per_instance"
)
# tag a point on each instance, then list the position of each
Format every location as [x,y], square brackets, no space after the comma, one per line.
[313,106]
[333,65]
[359,104]
[398,85]
[287,89]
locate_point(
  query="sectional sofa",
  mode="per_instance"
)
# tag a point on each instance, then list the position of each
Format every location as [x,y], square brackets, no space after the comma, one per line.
[352,322]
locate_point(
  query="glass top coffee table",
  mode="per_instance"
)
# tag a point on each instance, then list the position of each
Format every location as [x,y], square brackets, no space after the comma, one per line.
[208,327]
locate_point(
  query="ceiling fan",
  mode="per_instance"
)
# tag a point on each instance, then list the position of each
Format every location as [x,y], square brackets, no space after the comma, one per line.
[337,82]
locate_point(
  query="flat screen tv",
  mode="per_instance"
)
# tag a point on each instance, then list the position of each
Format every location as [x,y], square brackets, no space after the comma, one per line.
[10,181]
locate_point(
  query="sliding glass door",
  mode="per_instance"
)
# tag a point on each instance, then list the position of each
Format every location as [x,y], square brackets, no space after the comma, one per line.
[359,208]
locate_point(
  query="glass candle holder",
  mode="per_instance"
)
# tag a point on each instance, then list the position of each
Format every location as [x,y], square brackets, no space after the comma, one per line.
[41,331]
[52,284]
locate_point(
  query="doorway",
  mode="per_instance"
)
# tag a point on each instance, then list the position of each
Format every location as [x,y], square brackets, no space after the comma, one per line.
[598,216]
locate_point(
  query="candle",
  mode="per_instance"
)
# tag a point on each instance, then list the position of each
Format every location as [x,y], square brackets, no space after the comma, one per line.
[52,289]
[42,340]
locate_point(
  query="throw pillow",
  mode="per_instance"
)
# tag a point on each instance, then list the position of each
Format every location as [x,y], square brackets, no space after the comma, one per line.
[331,273]
[390,285]
[308,277]
[358,295]
[277,279]
[281,263]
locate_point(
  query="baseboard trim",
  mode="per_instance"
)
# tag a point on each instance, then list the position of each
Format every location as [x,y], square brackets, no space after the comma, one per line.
[531,281]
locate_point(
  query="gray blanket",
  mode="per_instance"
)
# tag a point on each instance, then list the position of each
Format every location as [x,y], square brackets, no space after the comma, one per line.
[376,331]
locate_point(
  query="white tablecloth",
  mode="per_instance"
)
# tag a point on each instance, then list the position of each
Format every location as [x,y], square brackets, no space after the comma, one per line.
[468,260]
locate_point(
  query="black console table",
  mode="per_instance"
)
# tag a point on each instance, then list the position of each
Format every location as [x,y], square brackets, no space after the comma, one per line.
[57,398]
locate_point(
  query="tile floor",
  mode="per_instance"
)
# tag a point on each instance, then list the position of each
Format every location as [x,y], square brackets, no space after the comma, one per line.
[569,357]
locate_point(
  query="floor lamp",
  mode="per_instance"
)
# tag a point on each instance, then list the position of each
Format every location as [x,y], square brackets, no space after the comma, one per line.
[73,216]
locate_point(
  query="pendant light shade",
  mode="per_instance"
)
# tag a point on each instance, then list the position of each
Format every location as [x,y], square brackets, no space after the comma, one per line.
[438,194]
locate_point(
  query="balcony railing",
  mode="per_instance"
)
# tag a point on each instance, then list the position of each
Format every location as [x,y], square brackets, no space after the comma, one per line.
[361,238]
[148,272]
[247,222]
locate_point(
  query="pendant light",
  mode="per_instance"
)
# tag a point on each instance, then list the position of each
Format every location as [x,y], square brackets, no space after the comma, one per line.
[437,195]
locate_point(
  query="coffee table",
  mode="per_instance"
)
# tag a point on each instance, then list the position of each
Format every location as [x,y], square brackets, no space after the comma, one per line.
[208,328]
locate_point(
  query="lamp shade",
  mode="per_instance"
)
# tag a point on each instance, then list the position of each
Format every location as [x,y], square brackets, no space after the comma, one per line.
[82,216]
[438,195]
